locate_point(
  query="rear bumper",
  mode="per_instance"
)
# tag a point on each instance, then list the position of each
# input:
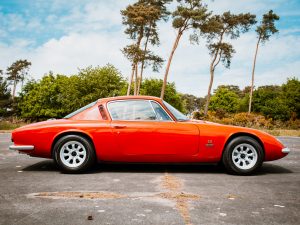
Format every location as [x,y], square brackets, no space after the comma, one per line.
[285,150]
[21,147]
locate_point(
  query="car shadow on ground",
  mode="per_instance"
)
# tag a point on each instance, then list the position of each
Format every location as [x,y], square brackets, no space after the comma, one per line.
[49,165]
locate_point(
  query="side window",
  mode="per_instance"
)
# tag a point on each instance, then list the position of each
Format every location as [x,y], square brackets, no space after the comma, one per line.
[160,112]
[131,110]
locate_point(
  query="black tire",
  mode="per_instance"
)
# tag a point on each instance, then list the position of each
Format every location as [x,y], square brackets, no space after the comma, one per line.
[240,145]
[86,161]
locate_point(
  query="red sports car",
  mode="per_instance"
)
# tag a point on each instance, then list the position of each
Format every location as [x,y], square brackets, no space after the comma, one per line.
[144,129]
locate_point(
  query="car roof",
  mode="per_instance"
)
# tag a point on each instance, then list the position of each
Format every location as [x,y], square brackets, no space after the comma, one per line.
[129,97]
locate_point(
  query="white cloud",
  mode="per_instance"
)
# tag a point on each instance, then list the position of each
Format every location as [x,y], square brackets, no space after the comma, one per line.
[237,6]
[94,16]
[78,51]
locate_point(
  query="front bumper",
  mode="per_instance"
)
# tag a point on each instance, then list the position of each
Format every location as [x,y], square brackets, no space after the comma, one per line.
[285,150]
[21,147]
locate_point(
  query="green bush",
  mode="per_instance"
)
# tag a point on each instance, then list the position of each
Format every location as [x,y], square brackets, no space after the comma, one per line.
[224,100]
[57,96]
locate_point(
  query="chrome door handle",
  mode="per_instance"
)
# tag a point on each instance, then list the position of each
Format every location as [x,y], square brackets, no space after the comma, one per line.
[118,126]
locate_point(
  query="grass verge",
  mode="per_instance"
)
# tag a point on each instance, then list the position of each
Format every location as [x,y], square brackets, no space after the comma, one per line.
[7,125]
[283,132]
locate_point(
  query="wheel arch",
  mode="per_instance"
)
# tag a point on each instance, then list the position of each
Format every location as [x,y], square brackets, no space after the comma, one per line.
[239,134]
[79,133]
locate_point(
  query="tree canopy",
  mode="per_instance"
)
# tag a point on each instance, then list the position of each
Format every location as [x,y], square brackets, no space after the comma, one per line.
[215,29]
[17,72]
[267,26]
[273,101]
[141,20]
[54,96]
[224,99]
[4,95]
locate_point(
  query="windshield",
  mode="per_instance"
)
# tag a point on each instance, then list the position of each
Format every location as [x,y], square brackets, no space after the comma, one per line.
[80,110]
[178,115]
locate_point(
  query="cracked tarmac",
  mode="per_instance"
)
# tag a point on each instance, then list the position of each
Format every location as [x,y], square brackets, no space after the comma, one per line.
[33,191]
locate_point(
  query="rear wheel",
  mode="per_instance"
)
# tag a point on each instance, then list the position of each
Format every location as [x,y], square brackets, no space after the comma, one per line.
[74,153]
[243,155]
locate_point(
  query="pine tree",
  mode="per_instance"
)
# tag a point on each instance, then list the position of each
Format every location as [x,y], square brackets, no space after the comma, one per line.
[264,32]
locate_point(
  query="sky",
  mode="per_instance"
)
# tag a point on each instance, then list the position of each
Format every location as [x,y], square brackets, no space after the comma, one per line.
[64,35]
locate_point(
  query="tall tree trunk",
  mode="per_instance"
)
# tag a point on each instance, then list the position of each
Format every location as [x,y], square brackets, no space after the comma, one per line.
[252,79]
[22,81]
[130,79]
[140,79]
[212,73]
[142,66]
[175,45]
[135,79]
[14,90]
[135,64]
[139,40]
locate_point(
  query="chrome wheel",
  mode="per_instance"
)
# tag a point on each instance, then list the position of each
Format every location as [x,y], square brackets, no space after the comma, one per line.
[244,156]
[73,154]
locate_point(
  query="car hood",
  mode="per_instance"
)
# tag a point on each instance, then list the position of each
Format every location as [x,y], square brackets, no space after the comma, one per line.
[231,128]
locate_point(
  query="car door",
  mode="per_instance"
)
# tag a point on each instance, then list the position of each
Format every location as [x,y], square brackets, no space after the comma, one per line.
[143,127]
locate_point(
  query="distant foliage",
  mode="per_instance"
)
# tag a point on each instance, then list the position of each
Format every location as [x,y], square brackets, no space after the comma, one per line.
[291,96]
[224,99]
[244,120]
[274,102]
[54,96]
[192,103]
[268,101]
[4,95]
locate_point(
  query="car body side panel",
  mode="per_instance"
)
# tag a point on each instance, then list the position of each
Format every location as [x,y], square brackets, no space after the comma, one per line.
[155,141]
[211,141]
[202,142]
[219,135]
[42,136]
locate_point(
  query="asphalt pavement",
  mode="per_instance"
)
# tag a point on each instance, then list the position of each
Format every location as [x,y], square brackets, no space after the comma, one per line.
[33,191]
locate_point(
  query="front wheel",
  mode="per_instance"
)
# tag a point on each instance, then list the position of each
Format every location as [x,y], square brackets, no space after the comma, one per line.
[74,153]
[243,155]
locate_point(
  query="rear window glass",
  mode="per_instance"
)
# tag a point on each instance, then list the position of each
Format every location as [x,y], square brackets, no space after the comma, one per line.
[80,110]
